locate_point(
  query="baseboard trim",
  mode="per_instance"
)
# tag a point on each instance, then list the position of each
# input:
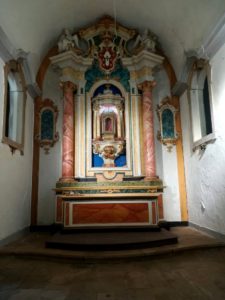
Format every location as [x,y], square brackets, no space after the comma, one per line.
[177,223]
[15,236]
[211,232]
[45,228]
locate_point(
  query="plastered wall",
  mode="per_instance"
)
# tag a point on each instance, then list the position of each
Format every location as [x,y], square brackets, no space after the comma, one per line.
[205,171]
[15,174]
[166,162]
[51,163]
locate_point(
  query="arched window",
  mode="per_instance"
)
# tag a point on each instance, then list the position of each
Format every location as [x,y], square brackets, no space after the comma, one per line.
[14,109]
[200,104]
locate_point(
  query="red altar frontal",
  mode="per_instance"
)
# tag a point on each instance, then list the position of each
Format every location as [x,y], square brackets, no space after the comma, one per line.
[109,205]
[106,213]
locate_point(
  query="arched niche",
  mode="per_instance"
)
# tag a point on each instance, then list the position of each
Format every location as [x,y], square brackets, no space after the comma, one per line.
[48,114]
[108,149]
[200,101]
[14,106]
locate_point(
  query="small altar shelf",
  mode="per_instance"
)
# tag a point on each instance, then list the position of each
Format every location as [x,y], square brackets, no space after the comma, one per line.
[80,204]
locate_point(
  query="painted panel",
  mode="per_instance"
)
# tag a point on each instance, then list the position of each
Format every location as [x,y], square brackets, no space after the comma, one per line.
[110,213]
[67,214]
[59,210]
[168,130]
[154,214]
[47,124]
[160,207]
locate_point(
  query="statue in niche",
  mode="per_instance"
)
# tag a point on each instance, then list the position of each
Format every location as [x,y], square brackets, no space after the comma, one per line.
[108,124]
[108,140]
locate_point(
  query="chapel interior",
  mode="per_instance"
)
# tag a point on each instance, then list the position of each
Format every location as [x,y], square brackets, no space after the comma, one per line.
[112,123]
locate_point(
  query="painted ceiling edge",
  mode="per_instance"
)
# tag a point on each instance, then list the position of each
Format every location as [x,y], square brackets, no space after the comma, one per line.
[214,41]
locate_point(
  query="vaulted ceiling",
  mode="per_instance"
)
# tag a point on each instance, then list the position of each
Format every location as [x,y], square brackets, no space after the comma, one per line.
[181,25]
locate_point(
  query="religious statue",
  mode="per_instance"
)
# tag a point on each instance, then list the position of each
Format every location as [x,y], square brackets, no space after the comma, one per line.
[109,154]
[108,138]
[146,41]
[67,41]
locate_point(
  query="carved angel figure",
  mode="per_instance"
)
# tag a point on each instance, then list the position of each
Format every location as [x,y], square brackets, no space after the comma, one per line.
[68,41]
[145,41]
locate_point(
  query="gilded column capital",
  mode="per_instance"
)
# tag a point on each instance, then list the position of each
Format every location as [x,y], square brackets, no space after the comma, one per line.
[68,86]
[147,86]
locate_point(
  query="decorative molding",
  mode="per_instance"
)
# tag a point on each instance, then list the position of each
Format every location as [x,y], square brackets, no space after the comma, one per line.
[182,84]
[15,83]
[200,69]
[32,87]
[171,139]
[208,49]
[43,137]
[9,52]
[143,65]
[214,41]
[71,59]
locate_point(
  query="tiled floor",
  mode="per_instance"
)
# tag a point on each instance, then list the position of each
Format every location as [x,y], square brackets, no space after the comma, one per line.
[196,274]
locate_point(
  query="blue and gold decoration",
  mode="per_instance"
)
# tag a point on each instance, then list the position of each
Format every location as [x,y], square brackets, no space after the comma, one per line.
[167,134]
[48,114]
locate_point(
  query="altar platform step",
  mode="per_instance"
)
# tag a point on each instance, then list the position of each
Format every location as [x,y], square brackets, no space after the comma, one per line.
[113,240]
[124,228]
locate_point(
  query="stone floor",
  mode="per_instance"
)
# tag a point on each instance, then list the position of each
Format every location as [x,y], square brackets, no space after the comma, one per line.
[33,245]
[196,271]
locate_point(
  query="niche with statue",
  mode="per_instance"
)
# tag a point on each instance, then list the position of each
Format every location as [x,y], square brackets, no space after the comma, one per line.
[108,140]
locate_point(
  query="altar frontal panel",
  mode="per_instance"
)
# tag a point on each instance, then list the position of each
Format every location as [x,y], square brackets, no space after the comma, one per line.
[111,213]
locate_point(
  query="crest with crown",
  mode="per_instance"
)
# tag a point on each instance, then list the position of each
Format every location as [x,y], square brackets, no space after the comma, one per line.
[107,54]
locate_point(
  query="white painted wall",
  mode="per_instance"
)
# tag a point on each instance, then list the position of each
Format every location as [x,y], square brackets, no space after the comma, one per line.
[205,171]
[15,174]
[166,162]
[50,164]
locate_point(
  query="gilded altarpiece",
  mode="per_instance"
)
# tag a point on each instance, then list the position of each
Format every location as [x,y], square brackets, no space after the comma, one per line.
[108,65]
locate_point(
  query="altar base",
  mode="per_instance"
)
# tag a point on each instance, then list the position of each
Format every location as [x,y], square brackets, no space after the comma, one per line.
[124,203]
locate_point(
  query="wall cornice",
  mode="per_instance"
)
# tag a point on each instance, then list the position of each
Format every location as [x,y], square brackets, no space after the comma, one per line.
[9,52]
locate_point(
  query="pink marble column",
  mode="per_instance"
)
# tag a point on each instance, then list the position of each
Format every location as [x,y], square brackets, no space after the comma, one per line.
[68,132]
[148,129]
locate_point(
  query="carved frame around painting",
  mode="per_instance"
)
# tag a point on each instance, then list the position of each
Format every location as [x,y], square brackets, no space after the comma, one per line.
[48,114]
[167,135]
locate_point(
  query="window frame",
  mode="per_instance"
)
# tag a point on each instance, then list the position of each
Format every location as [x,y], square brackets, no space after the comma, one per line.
[14,66]
[201,66]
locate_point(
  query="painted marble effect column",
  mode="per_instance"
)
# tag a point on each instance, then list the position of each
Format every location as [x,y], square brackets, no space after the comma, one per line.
[68,132]
[148,129]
